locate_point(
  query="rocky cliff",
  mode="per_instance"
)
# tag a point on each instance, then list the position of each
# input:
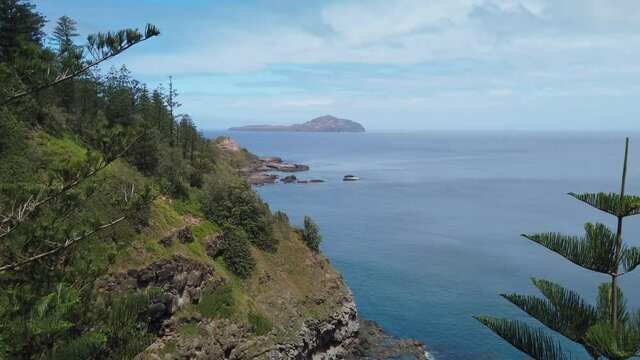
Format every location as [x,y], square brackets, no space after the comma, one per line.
[295,306]
[325,123]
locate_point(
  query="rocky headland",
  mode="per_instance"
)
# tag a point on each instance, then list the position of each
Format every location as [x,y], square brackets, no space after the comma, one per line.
[262,170]
[325,123]
[295,306]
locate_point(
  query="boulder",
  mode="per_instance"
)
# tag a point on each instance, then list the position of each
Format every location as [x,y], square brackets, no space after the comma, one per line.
[185,236]
[167,241]
[289,179]
[214,245]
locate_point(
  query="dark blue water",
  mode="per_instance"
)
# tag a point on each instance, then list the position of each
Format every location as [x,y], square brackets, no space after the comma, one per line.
[430,235]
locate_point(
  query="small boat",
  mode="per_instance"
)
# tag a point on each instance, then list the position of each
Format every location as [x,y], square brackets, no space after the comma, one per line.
[350,178]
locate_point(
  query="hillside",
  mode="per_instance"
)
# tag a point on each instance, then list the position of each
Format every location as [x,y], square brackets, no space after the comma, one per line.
[325,123]
[128,234]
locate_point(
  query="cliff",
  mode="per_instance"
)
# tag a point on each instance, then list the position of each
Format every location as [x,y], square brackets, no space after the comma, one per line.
[295,305]
[325,123]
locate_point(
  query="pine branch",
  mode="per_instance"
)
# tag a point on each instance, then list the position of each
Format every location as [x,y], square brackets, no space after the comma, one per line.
[573,323]
[630,259]
[67,243]
[531,341]
[103,47]
[11,220]
[618,343]
[595,251]
[611,203]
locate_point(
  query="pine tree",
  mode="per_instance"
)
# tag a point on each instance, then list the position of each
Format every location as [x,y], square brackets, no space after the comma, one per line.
[64,32]
[606,329]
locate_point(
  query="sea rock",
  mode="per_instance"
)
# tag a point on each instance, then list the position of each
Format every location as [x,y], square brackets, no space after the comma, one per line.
[289,179]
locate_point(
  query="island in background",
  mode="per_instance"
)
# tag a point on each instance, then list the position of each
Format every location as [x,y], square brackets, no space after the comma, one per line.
[325,123]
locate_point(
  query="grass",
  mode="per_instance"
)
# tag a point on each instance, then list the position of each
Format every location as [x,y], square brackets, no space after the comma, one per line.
[190,205]
[217,302]
[203,229]
[261,324]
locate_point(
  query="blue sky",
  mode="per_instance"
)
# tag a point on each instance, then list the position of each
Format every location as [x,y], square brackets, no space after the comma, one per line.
[389,64]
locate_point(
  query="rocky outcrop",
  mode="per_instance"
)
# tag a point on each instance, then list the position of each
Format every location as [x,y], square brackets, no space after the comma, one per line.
[181,279]
[185,236]
[374,343]
[214,245]
[322,339]
[259,172]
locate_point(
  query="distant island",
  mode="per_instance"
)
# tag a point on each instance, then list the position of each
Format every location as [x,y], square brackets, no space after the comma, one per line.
[325,123]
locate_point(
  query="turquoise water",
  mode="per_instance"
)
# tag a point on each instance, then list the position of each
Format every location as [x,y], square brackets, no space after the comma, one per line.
[430,235]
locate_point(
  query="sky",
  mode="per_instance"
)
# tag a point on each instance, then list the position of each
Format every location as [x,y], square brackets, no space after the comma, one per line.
[388,64]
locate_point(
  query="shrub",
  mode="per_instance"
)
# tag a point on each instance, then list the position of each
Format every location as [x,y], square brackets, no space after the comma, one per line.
[233,202]
[310,234]
[261,324]
[237,252]
[217,302]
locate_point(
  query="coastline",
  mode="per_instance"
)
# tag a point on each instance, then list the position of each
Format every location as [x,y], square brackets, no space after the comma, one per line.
[361,338]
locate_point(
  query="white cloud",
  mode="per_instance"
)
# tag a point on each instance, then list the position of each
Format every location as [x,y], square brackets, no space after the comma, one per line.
[538,53]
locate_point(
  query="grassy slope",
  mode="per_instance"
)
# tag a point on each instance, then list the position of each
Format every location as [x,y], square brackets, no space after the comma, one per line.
[284,292]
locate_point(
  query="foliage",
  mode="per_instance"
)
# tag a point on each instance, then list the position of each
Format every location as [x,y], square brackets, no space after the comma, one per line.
[64,32]
[261,324]
[217,301]
[233,202]
[604,330]
[310,234]
[237,252]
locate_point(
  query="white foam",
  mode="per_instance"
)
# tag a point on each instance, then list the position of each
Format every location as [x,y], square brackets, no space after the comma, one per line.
[428,355]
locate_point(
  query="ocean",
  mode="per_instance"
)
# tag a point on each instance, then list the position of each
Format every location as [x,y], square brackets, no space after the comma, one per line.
[431,233]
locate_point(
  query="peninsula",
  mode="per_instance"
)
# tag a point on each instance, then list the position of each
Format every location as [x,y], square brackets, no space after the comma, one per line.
[325,123]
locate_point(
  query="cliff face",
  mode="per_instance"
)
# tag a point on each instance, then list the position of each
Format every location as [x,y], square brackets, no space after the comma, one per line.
[325,123]
[295,306]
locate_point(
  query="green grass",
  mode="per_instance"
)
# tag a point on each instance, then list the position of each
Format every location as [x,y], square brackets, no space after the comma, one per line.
[189,205]
[203,229]
[192,330]
[62,148]
[261,324]
[217,302]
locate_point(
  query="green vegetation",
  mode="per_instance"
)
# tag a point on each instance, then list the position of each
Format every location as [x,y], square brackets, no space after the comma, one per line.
[82,157]
[237,252]
[217,302]
[233,202]
[95,170]
[260,323]
[310,234]
[605,329]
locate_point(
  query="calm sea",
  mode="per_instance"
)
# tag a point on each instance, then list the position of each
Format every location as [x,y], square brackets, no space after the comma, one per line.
[430,235]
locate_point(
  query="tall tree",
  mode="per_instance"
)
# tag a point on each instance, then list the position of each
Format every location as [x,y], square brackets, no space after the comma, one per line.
[64,32]
[606,329]
[19,23]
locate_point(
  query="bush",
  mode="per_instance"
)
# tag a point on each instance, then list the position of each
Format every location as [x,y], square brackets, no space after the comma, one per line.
[237,252]
[310,234]
[260,323]
[233,202]
[217,302]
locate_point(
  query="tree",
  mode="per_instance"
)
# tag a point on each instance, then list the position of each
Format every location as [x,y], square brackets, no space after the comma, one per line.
[606,329]
[237,252]
[46,308]
[34,76]
[19,23]
[233,202]
[64,32]
[310,234]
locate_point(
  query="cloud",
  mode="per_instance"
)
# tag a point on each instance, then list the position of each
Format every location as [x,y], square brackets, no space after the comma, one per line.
[505,61]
